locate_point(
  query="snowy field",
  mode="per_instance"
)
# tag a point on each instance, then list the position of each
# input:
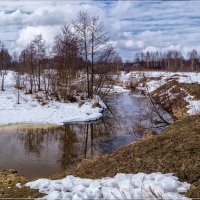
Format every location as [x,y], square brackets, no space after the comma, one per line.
[163,78]
[122,186]
[31,111]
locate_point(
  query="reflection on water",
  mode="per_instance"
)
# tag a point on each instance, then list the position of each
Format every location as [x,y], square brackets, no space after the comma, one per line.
[43,151]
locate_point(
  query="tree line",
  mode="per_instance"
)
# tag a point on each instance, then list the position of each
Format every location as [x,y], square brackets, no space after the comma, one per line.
[172,60]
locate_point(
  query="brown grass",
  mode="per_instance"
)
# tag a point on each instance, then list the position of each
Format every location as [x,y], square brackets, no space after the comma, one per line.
[177,106]
[96,104]
[71,98]
[193,89]
[194,191]
[8,180]
[80,103]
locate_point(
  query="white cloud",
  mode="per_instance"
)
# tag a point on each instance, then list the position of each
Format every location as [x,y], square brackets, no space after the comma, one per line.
[46,18]
[12,18]
[28,33]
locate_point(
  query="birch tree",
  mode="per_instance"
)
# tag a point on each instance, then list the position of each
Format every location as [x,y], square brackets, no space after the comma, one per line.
[5,60]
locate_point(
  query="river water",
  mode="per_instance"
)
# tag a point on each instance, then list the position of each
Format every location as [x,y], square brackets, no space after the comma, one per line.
[40,152]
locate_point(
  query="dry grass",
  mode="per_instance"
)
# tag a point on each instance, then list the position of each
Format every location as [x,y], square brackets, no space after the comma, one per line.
[193,89]
[96,104]
[80,103]
[8,180]
[71,98]
[154,78]
[194,191]
[177,106]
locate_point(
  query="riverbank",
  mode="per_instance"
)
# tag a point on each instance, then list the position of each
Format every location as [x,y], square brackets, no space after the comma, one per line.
[176,92]
[176,150]
[34,109]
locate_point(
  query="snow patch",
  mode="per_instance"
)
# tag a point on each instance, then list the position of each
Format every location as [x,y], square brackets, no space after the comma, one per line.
[194,105]
[164,77]
[121,186]
[31,111]
[119,89]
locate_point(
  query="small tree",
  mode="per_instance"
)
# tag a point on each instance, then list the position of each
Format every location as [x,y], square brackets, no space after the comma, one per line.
[5,60]
[16,66]
[40,54]
[81,27]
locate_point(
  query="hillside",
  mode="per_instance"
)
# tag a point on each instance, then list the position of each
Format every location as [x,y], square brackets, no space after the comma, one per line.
[176,150]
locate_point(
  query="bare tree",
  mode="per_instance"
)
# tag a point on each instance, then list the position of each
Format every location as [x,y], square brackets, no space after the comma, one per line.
[172,60]
[81,26]
[5,60]
[98,45]
[16,66]
[96,49]
[31,58]
[27,59]
[39,46]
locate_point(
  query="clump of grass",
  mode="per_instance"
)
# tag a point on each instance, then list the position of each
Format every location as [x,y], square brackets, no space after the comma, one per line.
[194,191]
[8,189]
[96,104]
[155,78]
[132,87]
[43,103]
[179,112]
[193,89]
[18,86]
[71,98]
[80,103]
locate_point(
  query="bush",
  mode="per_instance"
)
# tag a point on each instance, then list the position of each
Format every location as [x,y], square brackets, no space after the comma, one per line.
[71,98]
[96,104]
[80,103]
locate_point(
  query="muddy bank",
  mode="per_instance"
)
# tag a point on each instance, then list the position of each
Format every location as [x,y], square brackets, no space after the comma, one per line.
[8,189]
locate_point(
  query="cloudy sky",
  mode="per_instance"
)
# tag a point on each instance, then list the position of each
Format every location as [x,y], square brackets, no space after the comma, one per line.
[134,26]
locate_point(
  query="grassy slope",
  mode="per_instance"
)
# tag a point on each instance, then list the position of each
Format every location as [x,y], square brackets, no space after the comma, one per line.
[177,105]
[176,150]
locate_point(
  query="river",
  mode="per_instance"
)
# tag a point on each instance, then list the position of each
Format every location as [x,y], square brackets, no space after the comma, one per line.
[43,151]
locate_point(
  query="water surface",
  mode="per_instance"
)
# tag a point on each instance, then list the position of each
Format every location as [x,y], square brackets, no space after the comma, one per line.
[40,152]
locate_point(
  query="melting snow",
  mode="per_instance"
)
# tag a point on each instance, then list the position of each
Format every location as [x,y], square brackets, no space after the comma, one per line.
[122,186]
[152,85]
[194,105]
